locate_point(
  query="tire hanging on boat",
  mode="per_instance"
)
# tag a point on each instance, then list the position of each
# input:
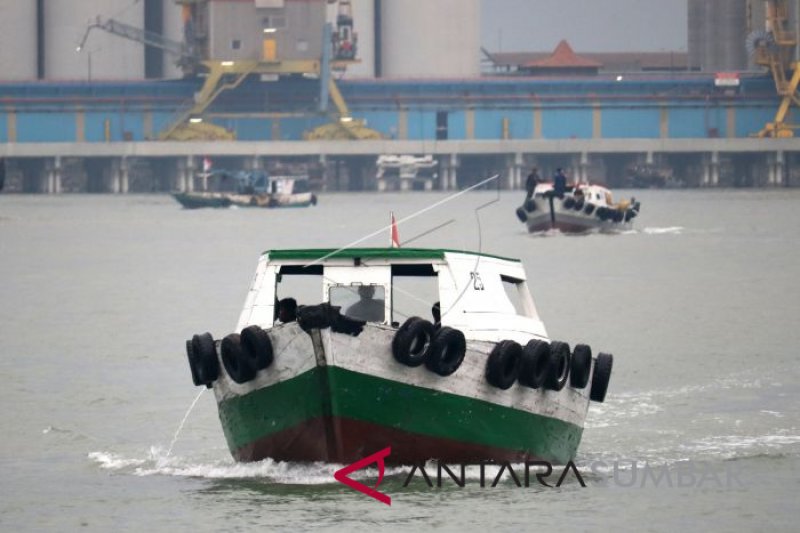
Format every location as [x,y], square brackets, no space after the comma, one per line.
[203,361]
[412,342]
[601,376]
[521,214]
[569,202]
[530,206]
[535,363]
[257,347]
[559,366]
[589,209]
[581,366]
[238,366]
[502,367]
[447,351]
[578,204]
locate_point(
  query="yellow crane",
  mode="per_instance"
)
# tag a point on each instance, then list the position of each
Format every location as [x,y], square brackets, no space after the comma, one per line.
[774,48]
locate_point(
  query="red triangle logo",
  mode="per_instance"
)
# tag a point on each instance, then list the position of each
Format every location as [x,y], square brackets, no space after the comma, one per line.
[377,457]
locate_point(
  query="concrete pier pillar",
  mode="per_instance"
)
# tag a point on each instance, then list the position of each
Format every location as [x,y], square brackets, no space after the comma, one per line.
[188,174]
[51,182]
[583,168]
[323,165]
[776,168]
[113,177]
[711,170]
[453,172]
[124,182]
[518,166]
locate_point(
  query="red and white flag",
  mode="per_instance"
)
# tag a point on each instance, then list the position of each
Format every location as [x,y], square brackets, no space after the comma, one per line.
[395,234]
[206,164]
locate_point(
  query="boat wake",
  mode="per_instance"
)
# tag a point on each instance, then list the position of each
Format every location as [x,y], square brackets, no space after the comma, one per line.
[670,230]
[157,462]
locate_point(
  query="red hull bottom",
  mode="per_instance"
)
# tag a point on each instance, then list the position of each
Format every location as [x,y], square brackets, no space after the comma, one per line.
[344,441]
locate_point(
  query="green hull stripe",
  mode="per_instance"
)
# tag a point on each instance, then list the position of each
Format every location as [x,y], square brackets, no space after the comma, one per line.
[395,405]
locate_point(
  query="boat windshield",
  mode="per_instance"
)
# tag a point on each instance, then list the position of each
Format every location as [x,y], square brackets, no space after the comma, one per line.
[360,302]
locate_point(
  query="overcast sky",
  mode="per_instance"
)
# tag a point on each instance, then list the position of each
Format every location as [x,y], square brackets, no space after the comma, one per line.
[588,25]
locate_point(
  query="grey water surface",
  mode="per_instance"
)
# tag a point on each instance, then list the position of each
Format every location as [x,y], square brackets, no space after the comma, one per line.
[699,305]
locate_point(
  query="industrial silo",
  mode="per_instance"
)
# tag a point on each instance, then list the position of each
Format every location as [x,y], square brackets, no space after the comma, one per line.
[731,34]
[364,28]
[104,56]
[172,30]
[18,49]
[697,33]
[421,38]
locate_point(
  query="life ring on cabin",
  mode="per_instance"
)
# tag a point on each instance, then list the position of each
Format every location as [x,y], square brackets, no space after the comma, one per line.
[502,367]
[569,202]
[578,204]
[238,365]
[601,376]
[581,366]
[589,209]
[203,361]
[535,363]
[530,206]
[521,214]
[257,347]
[559,366]
[412,342]
[447,351]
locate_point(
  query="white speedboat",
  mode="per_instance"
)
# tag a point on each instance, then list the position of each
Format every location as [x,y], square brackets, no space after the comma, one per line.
[580,208]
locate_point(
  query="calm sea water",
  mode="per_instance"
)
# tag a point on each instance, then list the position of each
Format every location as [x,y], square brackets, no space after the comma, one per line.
[699,305]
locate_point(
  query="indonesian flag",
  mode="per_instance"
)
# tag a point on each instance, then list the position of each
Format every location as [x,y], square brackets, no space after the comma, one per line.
[206,164]
[395,234]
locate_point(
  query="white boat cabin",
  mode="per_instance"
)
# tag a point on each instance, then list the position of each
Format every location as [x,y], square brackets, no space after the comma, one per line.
[484,296]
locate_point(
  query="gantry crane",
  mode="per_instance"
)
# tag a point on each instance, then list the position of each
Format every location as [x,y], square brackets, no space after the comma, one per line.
[223,75]
[774,48]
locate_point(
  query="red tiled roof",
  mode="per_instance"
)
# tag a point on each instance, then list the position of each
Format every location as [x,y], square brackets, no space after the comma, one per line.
[563,57]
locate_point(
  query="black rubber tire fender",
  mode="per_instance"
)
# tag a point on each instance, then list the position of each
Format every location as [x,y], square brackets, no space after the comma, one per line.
[412,342]
[569,202]
[589,209]
[559,366]
[203,360]
[257,347]
[535,363]
[313,199]
[581,366]
[601,376]
[521,214]
[447,351]
[237,364]
[617,216]
[578,204]
[530,206]
[502,366]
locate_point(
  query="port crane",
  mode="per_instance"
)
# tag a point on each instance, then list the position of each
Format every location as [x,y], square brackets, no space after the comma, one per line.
[223,75]
[774,48]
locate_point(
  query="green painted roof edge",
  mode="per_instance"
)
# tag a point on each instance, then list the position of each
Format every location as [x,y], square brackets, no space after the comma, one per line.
[312,254]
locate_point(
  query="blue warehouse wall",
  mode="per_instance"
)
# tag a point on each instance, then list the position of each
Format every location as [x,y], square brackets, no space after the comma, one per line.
[566,123]
[3,127]
[489,123]
[45,127]
[626,122]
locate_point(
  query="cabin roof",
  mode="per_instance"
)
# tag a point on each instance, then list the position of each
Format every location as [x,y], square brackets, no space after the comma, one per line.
[313,254]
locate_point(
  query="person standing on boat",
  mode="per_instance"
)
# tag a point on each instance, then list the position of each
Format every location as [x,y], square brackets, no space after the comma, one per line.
[367,308]
[531,182]
[559,183]
[287,310]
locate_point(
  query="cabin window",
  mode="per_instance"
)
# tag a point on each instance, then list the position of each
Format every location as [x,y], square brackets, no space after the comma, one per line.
[360,302]
[415,289]
[304,284]
[236,44]
[514,289]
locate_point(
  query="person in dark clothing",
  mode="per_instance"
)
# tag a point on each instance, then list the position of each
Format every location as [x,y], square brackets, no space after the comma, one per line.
[531,182]
[437,314]
[559,183]
[287,310]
